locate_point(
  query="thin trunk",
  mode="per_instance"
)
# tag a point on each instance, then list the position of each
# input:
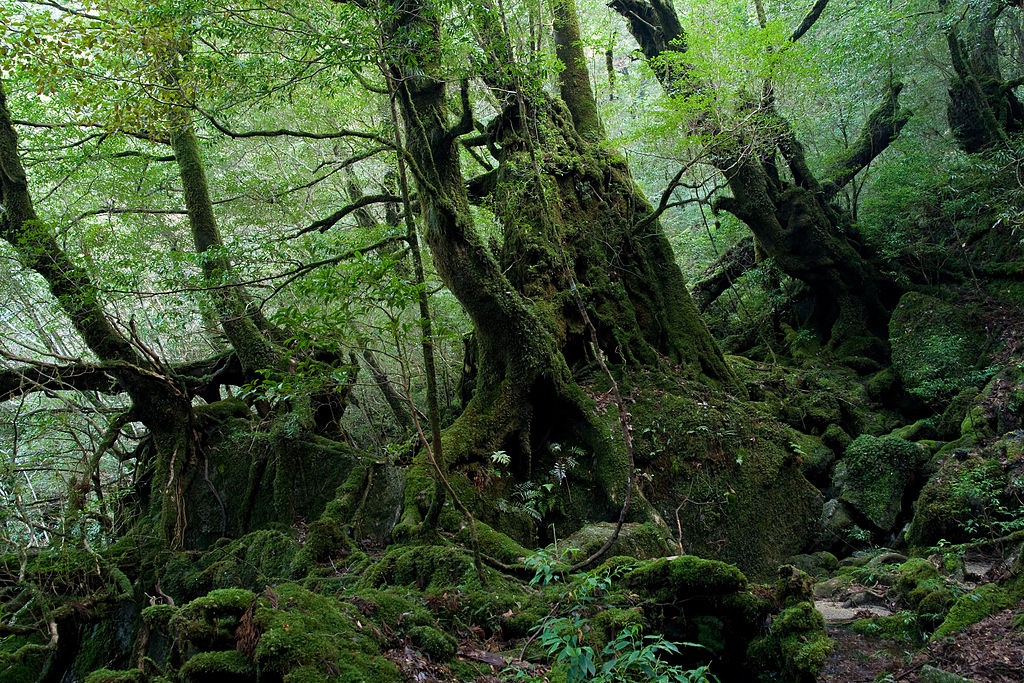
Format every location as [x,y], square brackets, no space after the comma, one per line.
[574,78]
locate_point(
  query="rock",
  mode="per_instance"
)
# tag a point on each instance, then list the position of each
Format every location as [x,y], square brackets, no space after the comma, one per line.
[935,348]
[874,474]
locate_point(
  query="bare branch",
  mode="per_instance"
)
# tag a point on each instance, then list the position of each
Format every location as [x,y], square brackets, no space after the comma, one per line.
[809,20]
[325,224]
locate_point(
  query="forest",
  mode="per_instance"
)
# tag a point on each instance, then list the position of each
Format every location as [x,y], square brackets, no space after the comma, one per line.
[537,341]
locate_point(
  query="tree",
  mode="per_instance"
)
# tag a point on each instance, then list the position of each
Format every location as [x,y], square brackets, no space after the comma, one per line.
[585,272]
[787,207]
[983,108]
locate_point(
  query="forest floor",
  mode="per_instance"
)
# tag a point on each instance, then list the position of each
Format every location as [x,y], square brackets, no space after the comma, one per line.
[991,651]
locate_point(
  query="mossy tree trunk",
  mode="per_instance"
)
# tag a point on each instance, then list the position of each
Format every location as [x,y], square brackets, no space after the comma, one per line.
[518,358]
[788,209]
[983,109]
[580,239]
[581,247]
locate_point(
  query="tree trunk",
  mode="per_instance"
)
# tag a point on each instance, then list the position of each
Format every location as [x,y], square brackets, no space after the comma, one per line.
[982,110]
[792,217]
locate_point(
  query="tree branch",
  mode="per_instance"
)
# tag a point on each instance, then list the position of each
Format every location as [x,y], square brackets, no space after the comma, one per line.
[881,128]
[809,20]
[325,224]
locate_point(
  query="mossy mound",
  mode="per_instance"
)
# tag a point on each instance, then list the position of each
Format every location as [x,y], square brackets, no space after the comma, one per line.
[428,568]
[724,473]
[209,622]
[795,647]
[642,541]
[112,676]
[971,608]
[228,666]
[900,628]
[935,348]
[252,561]
[306,636]
[689,599]
[966,495]
[874,475]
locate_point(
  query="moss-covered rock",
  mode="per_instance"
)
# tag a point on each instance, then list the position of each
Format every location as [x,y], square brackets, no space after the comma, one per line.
[724,472]
[819,565]
[838,532]
[935,347]
[251,561]
[875,473]
[795,647]
[916,579]
[816,459]
[428,568]
[227,666]
[642,541]
[971,608]
[113,676]
[899,628]
[306,636]
[961,498]
[209,622]
[437,644]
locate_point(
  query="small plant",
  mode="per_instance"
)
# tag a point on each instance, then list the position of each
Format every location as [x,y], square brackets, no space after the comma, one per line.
[630,657]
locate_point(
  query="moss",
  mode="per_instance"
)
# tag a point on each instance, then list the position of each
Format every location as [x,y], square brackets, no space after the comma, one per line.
[795,647]
[158,616]
[935,347]
[228,666]
[219,412]
[608,623]
[324,539]
[948,425]
[971,608]
[430,568]
[933,608]
[882,385]
[751,503]
[306,636]
[252,561]
[874,474]
[209,622]
[642,541]
[675,579]
[22,658]
[899,628]
[917,577]
[919,431]
[494,543]
[836,438]
[112,676]
[929,674]
[975,426]
[816,458]
[958,501]
[437,644]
